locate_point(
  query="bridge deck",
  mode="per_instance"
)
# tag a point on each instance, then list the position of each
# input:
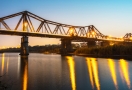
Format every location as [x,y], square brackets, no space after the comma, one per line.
[37,34]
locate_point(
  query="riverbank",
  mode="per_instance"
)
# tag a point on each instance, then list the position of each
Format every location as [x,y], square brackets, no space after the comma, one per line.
[115,51]
[129,57]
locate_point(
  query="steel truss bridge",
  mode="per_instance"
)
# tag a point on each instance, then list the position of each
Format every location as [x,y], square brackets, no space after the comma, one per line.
[46,28]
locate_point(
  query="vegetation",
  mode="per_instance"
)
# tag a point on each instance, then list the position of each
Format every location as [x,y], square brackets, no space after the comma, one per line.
[36,49]
[98,51]
[45,49]
[107,50]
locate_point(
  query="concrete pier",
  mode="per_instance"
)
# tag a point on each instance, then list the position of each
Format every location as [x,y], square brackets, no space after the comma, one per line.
[66,46]
[24,46]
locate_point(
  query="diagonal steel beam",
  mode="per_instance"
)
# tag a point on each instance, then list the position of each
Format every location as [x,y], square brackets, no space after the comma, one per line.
[31,23]
[13,15]
[40,26]
[18,23]
[5,25]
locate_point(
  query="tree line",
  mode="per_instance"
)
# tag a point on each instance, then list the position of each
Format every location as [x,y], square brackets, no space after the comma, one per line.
[107,50]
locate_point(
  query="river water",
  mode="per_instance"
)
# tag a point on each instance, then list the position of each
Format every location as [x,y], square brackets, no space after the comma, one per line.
[54,72]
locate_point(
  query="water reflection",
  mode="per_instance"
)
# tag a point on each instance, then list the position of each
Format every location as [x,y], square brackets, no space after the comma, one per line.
[124,71]
[18,67]
[72,71]
[7,65]
[111,65]
[2,66]
[24,72]
[93,72]
[66,73]
[90,71]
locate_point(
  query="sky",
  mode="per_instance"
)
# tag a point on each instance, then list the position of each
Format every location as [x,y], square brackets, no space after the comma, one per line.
[110,17]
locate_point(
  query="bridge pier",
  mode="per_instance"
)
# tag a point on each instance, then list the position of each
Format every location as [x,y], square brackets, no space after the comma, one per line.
[24,46]
[24,72]
[91,43]
[105,43]
[66,46]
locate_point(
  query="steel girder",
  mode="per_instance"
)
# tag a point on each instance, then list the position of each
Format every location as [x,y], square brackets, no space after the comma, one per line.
[46,26]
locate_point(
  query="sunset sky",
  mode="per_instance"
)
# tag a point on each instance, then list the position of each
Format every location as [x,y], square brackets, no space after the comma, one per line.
[110,17]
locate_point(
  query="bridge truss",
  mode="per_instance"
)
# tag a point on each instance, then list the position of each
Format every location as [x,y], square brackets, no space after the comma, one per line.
[48,27]
[128,37]
[26,26]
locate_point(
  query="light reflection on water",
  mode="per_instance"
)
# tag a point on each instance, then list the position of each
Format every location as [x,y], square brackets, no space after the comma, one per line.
[124,71]
[24,72]
[93,72]
[90,72]
[72,71]
[111,64]
[54,72]
[7,64]
[3,60]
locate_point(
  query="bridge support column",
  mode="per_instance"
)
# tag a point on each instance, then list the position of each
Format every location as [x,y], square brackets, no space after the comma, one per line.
[66,46]
[91,43]
[24,46]
[105,43]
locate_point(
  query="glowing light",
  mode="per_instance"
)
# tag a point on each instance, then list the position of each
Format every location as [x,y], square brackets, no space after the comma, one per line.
[25,24]
[7,65]
[121,38]
[93,72]
[18,46]
[71,31]
[111,44]
[72,72]
[113,72]
[25,77]
[130,38]
[25,28]
[3,59]
[18,69]
[3,47]
[93,33]
[87,34]
[90,71]
[124,68]
[109,36]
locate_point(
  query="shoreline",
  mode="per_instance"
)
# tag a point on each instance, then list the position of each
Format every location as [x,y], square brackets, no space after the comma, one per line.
[108,56]
[129,57]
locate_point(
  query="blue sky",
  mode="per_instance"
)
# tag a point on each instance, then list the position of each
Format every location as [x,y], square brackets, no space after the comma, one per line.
[110,17]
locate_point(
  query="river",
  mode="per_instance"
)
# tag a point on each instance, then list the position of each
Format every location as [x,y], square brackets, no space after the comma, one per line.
[56,72]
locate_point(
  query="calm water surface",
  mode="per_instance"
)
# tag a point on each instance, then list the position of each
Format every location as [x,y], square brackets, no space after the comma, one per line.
[54,72]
